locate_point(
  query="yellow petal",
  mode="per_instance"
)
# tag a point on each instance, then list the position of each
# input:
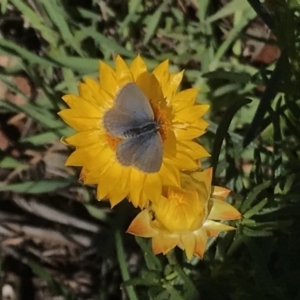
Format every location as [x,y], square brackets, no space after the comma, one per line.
[121,189]
[84,138]
[172,85]
[151,88]
[137,180]
[81,107]
[98,161]
[212,233]
[141,225]
[91,177]
[223,211]
[188,242]
[180,211]
[109,181]
[192,131]
[143,201]
[201,240]
[137,67]
[123,74]
[169,174]
[89,90]
[193,149]
[205,175]
[219,192]
[163,243]
[153,187]
[126,178]
[78,123]
[81,155]
[190,114]
[185,161]
[170,145]
[184,98]
[161,72]
[108,79]
[217,226]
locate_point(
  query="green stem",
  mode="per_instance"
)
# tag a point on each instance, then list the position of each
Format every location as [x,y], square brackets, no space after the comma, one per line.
[123,265]
[192,291]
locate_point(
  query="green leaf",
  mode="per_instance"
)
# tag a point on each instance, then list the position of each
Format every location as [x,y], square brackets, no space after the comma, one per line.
[107,43]
[202,10]
[256,233]
[152,261]
[55,286]
[124,265]
[222,131]
[152,22]
[4,6]
[191,291]
[56,14]
[133,6]
[87,14]
[11,48]
[37,187]
[254,210]
[262,276]
[233,76]
[43,116]
[96,212]
[265,102]
[253,195]
[154,281]
[174,294]
[36,21]
[11,163]
[229,9]
[79,64]
[232,35]
[12,86]
[41,139]
[158,293]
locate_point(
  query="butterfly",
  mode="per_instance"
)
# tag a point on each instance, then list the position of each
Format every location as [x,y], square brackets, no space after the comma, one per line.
[132,120]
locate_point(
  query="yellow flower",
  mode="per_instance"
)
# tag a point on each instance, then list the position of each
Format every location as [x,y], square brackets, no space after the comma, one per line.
[176,112]
[185,217]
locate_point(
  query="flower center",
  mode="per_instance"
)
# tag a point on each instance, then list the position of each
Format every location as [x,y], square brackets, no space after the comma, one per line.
[161,116]
[112,141]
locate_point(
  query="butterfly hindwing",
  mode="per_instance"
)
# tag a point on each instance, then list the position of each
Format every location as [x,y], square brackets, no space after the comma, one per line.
[148,157]
[144,151]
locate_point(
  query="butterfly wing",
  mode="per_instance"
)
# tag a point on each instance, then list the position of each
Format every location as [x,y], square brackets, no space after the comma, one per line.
[126,150]
[131,110]
[144,151]
[117,123]
[132,101]
[148,157]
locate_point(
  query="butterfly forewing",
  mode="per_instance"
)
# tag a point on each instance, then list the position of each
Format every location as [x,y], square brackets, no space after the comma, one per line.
[133,102]
[118,123]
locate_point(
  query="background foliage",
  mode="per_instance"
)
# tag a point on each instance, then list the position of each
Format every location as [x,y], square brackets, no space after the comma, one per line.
[243,55]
